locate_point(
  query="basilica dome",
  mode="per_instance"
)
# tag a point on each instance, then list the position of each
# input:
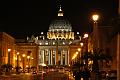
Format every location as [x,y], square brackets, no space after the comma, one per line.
[60,25]
[60,28]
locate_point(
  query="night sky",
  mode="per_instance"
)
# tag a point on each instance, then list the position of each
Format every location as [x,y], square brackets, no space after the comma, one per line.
[28,17]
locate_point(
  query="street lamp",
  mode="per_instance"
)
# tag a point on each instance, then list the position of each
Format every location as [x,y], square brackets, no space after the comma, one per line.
[9,50]
[85,56]
[79,59]
[81,44]
[86,41]
[23,62]
[95,18]
[79,50]
[28,57]
[17,68]
[96,41]
[85,35]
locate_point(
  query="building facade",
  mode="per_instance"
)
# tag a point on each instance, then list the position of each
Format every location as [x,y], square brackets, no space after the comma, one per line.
[6,42]
[53,49]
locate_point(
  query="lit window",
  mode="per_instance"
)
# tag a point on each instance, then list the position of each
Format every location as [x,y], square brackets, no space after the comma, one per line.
[46,43]
[53,43]
[40,43]
[63,42]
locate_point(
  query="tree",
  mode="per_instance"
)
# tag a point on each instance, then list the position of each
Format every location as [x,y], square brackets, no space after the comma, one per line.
[96,55]
[99,55]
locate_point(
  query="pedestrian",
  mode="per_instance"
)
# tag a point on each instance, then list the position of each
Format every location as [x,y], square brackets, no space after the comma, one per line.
[85,74]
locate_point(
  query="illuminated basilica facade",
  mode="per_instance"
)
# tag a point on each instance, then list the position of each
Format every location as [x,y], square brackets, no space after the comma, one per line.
[54,50]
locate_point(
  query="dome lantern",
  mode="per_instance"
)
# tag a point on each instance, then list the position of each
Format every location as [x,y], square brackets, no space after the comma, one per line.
[60,12]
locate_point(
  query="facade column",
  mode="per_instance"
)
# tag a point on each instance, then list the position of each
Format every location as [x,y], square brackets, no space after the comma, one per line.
[55,58]
[43,56]
[61,57]
[56,54]
[66,57]
[39,60]
[49,56]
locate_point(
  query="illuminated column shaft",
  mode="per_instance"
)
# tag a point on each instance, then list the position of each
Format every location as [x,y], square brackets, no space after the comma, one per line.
[39,60]
[55,58]
[68,56]
[49,57]
[56,54]
[65,58]
[43,56]
[61,58]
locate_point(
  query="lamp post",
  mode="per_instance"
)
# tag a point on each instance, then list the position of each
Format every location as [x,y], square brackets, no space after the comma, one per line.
[28,57]
[85,60]
[79,50]
[86,41]
[8,69]
[79,55]
[17,68]
[81,44]
[23,62]
[32,61]
[9,56]
[95,18]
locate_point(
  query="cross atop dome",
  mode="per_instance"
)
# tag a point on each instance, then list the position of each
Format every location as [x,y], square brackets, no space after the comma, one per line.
[60,9]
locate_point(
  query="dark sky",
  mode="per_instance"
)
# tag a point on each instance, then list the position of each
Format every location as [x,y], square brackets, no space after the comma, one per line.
[22,17]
